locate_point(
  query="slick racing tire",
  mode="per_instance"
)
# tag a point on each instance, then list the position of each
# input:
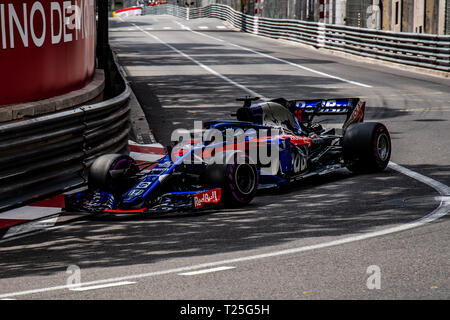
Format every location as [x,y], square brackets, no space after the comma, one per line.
[112,172]
[367,147]
[238,180]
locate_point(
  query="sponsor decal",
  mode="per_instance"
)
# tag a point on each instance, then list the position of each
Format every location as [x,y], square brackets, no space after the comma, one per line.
[205,197]
[356,116]
[337,106]
[135,193]
[143,185]
[298,140]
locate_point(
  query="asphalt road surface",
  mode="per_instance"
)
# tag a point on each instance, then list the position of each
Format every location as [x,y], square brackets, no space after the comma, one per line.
[341,236]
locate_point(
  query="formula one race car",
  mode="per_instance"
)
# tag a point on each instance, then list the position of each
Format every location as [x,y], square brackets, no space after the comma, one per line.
[224,163]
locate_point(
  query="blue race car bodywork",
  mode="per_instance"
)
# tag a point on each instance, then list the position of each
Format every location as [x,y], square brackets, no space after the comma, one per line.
[186,178]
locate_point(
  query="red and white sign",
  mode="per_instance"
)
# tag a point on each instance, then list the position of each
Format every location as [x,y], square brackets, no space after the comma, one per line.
[133,11]
[47,48]
[205,197]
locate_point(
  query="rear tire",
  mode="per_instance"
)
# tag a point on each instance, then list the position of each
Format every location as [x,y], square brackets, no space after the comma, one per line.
[367,147]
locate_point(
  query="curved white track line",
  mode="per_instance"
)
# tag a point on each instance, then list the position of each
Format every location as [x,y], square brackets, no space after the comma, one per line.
[442,210]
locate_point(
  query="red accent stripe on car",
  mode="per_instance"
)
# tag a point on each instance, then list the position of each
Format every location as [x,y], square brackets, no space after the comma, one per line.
[125,211]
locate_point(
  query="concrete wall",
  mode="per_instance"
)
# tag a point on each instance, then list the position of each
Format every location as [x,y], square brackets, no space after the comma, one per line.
[431,16]
[447,17]
[418,16]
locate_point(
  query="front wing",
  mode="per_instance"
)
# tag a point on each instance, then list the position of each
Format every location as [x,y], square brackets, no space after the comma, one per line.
[99,202]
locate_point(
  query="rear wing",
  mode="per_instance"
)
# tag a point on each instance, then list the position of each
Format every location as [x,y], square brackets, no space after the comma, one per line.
[353,108]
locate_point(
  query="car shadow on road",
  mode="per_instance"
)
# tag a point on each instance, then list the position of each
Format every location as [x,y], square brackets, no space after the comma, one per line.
[334,205]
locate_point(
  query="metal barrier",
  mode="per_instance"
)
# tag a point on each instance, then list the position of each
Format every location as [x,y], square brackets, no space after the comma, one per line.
[51,154]
[420,50]
[173,10]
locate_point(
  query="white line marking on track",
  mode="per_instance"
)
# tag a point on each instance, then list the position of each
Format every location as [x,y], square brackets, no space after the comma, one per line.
[221,27]
[196,32]
[193,273]
[43,230]
[203,27]
[29,213]
[442,210]
[249,91]
[101,286]
[443,189]
[279,59]
[31,226]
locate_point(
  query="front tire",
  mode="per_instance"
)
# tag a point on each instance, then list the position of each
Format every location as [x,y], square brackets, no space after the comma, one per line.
[367,147]
[112,172]
[238,180]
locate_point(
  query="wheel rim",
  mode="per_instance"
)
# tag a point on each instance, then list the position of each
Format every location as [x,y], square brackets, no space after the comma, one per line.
[245,179]
[122,164]
[383,147]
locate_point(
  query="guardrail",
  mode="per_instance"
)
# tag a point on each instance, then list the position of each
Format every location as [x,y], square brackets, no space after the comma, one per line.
[420,50]
[51,154]
[177,11]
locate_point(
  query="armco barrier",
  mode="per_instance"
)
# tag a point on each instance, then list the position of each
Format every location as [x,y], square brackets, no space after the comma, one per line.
[173,10]
[51,154]
[419,50]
